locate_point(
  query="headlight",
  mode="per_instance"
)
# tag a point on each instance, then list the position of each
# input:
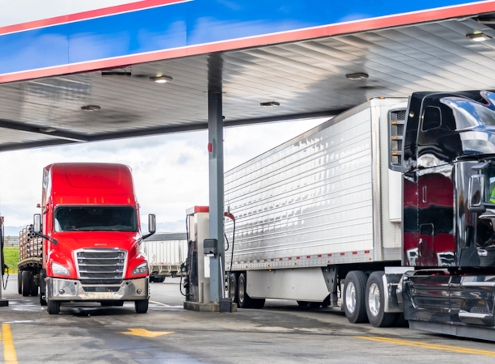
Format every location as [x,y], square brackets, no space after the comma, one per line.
[59,269]
[140,269]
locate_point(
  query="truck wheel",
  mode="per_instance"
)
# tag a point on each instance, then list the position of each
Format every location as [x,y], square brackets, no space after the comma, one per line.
[19,281]
[141,306]
[33,287]
[53,307]
[244,299]
[233,288]
[375,302]
[26,283]
[354,296]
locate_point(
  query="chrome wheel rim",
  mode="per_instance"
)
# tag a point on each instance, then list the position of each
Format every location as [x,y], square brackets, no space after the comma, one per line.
[350,297]
[374,299]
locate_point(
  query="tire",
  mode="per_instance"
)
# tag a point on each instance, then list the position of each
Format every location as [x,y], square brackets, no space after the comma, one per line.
[19,281]
[33,287]
[375,302]
[233,294]
[26,283]
[244,299]
[53,307]
[315,304]
[354,296]
[42,301]
[141,306]
[160,280]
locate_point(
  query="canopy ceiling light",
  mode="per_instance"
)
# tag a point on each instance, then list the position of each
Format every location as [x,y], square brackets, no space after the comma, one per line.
[357,76]
[116,72]
[48,130]
[270,103]
[90,108]
[478,36]
[161,79]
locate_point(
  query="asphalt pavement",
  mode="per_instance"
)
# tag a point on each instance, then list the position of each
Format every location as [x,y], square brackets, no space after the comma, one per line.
[282,332]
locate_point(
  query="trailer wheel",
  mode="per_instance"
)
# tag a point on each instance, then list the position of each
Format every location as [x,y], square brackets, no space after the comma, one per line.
[375,302]
[354,296]
[141,306]
[19,281]
[233,289]
[26,283]
[33,287]
[53,307]
[244,299]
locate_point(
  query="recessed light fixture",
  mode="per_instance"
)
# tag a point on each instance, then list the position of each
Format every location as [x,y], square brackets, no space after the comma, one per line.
[90,108]
[161,79]
[116,72]
[48,130]
[357,76]
[270,103]
[478,36]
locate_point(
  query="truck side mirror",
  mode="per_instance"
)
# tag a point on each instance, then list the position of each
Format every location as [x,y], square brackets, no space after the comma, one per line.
[37,223]
[476,193]
[152,223]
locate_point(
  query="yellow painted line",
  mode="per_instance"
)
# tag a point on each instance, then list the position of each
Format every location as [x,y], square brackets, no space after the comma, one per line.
[452,349]
[9,354]
[145,333]
[159,303]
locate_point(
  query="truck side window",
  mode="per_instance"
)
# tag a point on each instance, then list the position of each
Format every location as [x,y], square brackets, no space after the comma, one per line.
[432,118]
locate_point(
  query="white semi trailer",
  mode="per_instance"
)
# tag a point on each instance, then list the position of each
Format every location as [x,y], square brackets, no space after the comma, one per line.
[318,218]
[166,252]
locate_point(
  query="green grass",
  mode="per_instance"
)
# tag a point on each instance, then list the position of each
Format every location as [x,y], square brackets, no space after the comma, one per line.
[11,256]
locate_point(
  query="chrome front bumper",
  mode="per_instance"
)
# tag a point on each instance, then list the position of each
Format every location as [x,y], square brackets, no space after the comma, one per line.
[72,290]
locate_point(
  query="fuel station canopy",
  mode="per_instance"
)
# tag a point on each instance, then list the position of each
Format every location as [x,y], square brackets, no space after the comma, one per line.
[76,72]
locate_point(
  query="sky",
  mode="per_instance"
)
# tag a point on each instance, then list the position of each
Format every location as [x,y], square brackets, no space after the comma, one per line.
[170,171]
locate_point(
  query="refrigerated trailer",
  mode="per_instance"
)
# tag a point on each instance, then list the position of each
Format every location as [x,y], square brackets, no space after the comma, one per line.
[383,210]
[317,209]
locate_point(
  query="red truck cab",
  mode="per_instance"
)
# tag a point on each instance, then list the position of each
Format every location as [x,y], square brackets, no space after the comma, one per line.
[92,236]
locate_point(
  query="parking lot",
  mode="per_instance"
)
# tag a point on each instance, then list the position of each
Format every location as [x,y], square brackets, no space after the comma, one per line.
[282,332]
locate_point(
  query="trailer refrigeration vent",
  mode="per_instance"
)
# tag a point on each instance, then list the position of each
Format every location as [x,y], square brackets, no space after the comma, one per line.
[97,265]
[397,119]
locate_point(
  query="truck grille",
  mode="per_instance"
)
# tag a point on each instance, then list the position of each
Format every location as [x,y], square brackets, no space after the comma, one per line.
[101,266]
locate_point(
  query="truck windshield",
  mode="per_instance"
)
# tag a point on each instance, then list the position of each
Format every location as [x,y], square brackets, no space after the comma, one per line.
[95,218]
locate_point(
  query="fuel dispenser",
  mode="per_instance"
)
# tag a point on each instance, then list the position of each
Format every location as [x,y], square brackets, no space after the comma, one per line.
[197,281]
[197,267]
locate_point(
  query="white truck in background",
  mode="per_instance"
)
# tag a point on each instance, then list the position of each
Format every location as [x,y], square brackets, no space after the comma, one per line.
[319,213]
[166,252]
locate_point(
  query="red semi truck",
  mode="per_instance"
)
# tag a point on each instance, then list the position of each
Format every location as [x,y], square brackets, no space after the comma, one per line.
[91,248]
